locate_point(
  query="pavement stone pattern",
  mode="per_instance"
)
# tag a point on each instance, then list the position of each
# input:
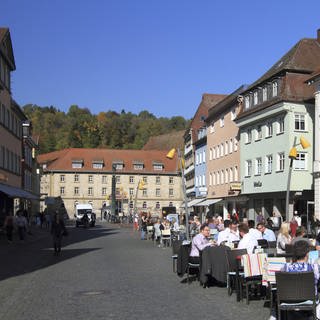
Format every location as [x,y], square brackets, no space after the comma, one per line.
[105,272]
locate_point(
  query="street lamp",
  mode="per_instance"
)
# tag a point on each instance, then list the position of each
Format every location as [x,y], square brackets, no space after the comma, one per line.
[293,155]
[113,192]
[170,155]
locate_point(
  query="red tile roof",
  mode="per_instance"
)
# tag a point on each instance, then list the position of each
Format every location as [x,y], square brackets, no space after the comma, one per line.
[62,160]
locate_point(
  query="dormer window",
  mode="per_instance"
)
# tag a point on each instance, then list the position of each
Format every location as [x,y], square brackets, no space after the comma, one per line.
[274,89]
[97,164]
[118,164]
[246,102]
[77,163]
[255,97]
[158,166]
[264,94]
[138,165]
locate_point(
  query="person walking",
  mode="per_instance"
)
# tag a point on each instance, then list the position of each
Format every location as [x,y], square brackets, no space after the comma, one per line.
[9,224]
[22,224]
[58,230]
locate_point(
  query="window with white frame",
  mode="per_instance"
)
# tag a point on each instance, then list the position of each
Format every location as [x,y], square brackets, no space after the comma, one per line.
[61,190]
[212,128]
[222,122]
[221,150]
[274,89]
[170,192]
[231,175]
[233,114]
[213,153]
[235,141]
[226,175]
[118,179]
[300,163]
[131,191]
[269,130]
[145,192]
[204,156]
[231,145]
[258,166]
[280,161]
[158,180]
[210,154]
[200,158]
[214,178]
[104,191]
[76,191]
[258,132]
[264,94]
[197,181]
[246,102]
[144,205]
[268,164]
[248,168]
[248,136]
[104,179]
[255,97]
[280,126]
[203,180]
[76,178]
[210,179]
[145,179]
[131,179]
[157,205]
[218,177]
[90,178]
[62,178]
[158,192]
[299,122]
[90,191]
[170,180]
[236,177]
[226,148]
[218,152]
[222,176]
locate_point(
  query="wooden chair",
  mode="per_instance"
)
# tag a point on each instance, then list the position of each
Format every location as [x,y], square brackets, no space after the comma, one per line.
[295,292]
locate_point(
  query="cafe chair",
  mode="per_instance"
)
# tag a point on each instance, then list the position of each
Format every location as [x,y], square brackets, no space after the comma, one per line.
[166,237]
[296,292]
[149,232]
[289,249]
[263,243]
[272,244]
[195,267]
[176,244]
[253,265]
[234,275]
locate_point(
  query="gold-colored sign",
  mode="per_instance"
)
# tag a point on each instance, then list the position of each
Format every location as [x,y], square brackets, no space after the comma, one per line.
[236,186]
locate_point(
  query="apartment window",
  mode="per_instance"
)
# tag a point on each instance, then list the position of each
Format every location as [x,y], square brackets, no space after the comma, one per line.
[218,152]
[258,133]
[255,97]
[131,191]
[104,179]
[204,156]
[158,181]
[221,150]
[230,174]
[118,179]
[158,166]
[235,140]
[212,128]
[246,102]
[226,151]
[76,178]
[258,166]
[269,130]
[264,94]
[76,191]
[104,191]
[210,154]
[280,125]
[236,178]
[226,176]
[218,177]
[268,164]
[231,145]
[145,192]
[138,166]
[248,168]
[61,191]
[77,164]
[157,192]
[214,179]
[204,180]
[300,163]
[233,113]
[131,179]
[170,192]
[274,89]
[200,158]
[280,161]
[144,205]
[62,178]
[157,205]
[145,180]
[222,176]
[299,122]
[90,178]
[210,179]
[222,122]
[90,191]
[248,136]
[131,204]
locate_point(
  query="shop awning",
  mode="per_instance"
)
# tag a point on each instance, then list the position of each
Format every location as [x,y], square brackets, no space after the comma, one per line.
[194,202]
[14,192]
[207,203]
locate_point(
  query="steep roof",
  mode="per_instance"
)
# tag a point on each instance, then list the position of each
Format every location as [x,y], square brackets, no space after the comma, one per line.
[165,141]
[303,57]
[62,160]
[6,49]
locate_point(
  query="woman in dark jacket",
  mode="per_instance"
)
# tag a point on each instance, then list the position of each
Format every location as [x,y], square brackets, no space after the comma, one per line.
[58,229]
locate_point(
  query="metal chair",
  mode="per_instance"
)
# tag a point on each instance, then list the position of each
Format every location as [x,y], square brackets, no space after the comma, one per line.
[263,243]
[193,266]
[296,292]
[176,244]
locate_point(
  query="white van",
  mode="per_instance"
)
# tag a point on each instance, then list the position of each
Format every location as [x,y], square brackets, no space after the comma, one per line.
[81,210]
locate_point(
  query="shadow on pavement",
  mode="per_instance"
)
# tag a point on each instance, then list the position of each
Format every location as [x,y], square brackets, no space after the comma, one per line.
[36,252]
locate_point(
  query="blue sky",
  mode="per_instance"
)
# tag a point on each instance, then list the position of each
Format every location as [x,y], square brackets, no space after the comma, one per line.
[136,55]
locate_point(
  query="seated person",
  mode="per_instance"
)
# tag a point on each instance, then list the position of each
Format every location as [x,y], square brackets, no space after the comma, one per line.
[300,233]
[283,237]
[247,240]
[230,233]
[255,233]
[267,234]
[199,242]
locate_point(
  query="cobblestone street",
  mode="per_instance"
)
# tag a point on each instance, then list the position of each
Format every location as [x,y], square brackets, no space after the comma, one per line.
[105,273]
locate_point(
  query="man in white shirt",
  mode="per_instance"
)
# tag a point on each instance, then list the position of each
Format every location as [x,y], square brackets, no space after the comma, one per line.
[256,234]
[247,240]
[229,234]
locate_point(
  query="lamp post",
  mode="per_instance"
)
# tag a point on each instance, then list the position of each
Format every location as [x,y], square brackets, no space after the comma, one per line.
[293,155]
[113,192]
[170,155]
